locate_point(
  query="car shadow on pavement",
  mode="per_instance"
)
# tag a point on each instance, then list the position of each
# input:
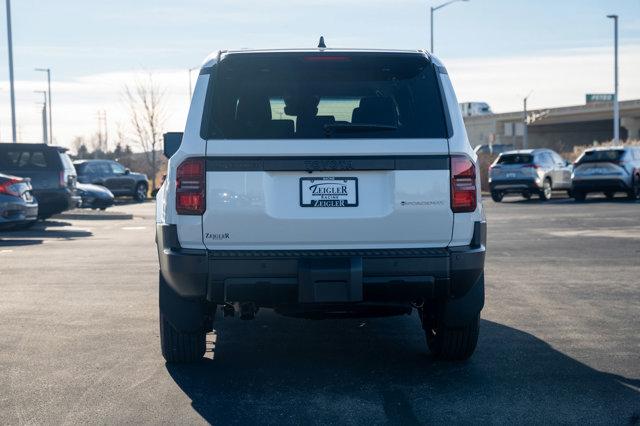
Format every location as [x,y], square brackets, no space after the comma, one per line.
[565,200]
[279,370]
[18,242]
[88,214]
[42,230]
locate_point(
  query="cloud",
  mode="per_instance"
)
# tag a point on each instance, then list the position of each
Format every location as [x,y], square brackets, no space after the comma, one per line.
[557,79]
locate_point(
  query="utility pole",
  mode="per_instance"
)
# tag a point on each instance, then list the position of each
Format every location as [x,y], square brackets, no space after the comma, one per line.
[48,71]
[525,130]
[11,82]
[45,138]
[103,133]
[616,106]
[190,88]
[433,9]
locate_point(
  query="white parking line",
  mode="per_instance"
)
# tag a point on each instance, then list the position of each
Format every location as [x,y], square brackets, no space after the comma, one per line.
[133,228]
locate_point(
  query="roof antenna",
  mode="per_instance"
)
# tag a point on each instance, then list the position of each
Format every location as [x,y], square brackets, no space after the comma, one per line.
[321,44]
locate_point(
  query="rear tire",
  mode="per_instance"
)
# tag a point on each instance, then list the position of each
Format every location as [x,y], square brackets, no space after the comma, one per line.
[183,326]
[453,343]
[526,195]
[545,192]
[609,195]
[140,194]
[579,196]
[634,192]
[180,347]
[26,225]
[496,196]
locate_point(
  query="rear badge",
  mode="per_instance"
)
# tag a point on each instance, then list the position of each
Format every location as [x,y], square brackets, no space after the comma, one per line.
[214,236]
[329,192]
[422,203]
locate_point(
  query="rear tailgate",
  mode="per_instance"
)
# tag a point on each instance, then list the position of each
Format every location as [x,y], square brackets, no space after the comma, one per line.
[330,197]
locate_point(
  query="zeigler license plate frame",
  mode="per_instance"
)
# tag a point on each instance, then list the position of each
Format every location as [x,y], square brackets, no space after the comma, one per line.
[323,192]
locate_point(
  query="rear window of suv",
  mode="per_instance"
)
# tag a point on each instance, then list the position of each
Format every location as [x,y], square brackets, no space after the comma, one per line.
[21,159]
[515,159]
[328,95]
[609,155]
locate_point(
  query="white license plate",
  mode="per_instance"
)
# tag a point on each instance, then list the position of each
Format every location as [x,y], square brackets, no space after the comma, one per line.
[511,175]
[329,192]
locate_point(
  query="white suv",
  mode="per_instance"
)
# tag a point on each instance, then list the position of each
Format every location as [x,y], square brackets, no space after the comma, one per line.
[322,183]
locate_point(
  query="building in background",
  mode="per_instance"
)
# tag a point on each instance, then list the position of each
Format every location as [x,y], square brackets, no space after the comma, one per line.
[557,128]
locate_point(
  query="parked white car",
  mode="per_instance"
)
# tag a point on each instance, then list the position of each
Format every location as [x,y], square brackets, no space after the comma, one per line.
[319,183]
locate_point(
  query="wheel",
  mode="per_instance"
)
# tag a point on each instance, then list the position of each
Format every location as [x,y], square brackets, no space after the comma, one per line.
[609,195]
[26,225]
[182,326]
[545,193]
[453,343]
[496,196]
[180,347]
[634,192]
[526,195]
[103,208]
[578,195]
[140,194]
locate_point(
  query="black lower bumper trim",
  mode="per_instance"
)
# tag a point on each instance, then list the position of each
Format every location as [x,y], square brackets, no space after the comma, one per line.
[515,186]
[599,185]
[273,278]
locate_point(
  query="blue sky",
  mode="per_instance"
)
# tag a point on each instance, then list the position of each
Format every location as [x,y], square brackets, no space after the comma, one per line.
[94,47]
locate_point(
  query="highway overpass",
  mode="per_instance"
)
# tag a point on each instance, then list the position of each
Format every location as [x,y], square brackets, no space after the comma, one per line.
[557,128]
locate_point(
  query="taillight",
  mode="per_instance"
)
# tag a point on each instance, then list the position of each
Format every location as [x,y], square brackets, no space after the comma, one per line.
[5,187]
[463,185]
[190,187]
[63,181]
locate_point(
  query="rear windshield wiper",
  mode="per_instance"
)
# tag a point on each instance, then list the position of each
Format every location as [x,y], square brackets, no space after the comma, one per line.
[355,128]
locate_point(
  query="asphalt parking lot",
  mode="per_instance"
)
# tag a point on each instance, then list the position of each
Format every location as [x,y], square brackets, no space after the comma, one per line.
[559,340]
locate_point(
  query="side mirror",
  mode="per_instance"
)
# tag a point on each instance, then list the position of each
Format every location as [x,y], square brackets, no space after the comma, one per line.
[127,171]
[172,141]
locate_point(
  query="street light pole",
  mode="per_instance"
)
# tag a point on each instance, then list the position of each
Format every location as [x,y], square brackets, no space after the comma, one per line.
[433,9]
[431,26]
[45,139]
[525,130]
[11,82]
[190,88]
[616,106]
[48,71]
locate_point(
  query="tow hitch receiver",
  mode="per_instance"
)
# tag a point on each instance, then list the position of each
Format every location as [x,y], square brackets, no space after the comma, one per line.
[330,280]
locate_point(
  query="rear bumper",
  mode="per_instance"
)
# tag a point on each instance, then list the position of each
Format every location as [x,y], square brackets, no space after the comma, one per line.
[514,185]
[280,278]
[600,185]
[96,202]
[15,211]
[54,201]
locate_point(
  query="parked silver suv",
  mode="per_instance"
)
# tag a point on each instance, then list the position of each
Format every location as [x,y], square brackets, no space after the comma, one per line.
[608,170]
[527,172]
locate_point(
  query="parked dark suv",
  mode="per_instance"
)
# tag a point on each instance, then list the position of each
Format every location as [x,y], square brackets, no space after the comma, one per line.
[114,176]
[52,174]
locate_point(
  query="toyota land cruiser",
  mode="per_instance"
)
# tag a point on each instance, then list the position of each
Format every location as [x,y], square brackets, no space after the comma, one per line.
[321,183]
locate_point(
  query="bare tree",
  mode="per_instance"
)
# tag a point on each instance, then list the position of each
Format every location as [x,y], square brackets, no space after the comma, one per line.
[147,116]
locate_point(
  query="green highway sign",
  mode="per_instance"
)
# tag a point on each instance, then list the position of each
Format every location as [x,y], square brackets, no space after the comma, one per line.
[599,97]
